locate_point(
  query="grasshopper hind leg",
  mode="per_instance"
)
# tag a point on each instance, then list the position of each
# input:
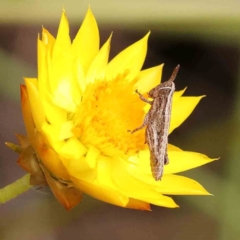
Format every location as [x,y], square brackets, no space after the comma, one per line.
[145,123]
[166,159]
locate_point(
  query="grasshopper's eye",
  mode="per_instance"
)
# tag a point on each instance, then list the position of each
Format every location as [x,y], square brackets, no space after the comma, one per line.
[154,93]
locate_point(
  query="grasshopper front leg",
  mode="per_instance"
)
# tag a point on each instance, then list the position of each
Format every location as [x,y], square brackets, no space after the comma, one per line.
[143,98]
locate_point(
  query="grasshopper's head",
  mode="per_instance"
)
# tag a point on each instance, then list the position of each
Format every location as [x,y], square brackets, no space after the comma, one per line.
[165,87]
[162,89]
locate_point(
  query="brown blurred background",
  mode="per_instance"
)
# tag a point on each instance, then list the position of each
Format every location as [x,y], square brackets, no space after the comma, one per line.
[203,37]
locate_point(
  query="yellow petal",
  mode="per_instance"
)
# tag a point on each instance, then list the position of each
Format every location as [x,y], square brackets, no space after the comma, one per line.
[137,189]
[79,75]
[172,184]
[173,148]
[49,157]
[102,193]
[179,185]
[130,59]
[63,42]
[35,102]
[26,112]
[163,201]
[178,94]
[64,87]
[91,157]
[98,66]
[54,114]
[148,79]
[105,172]
[83,168]
[52,136]
[45,48]
[102,186]
[79,168]
[86,44]
[139,205]
[180,161]
[182,109]
[42,68]
[72,149]
[139,163]
[58,132]
[48,40]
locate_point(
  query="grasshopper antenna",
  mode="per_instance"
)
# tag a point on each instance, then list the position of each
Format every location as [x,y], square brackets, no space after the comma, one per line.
[175,72]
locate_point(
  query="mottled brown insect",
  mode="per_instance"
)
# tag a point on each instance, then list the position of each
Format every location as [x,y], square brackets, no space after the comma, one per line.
[157,123]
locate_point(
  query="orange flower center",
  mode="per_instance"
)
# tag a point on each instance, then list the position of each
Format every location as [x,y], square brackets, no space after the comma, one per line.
[108,110]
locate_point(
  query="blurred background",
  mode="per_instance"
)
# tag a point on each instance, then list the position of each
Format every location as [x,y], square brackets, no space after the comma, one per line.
[203,37]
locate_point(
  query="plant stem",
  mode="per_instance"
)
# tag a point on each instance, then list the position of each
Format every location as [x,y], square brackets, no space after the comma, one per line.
[14,189]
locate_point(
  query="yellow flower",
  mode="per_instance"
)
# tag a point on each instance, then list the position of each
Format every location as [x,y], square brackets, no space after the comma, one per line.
[77,113]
